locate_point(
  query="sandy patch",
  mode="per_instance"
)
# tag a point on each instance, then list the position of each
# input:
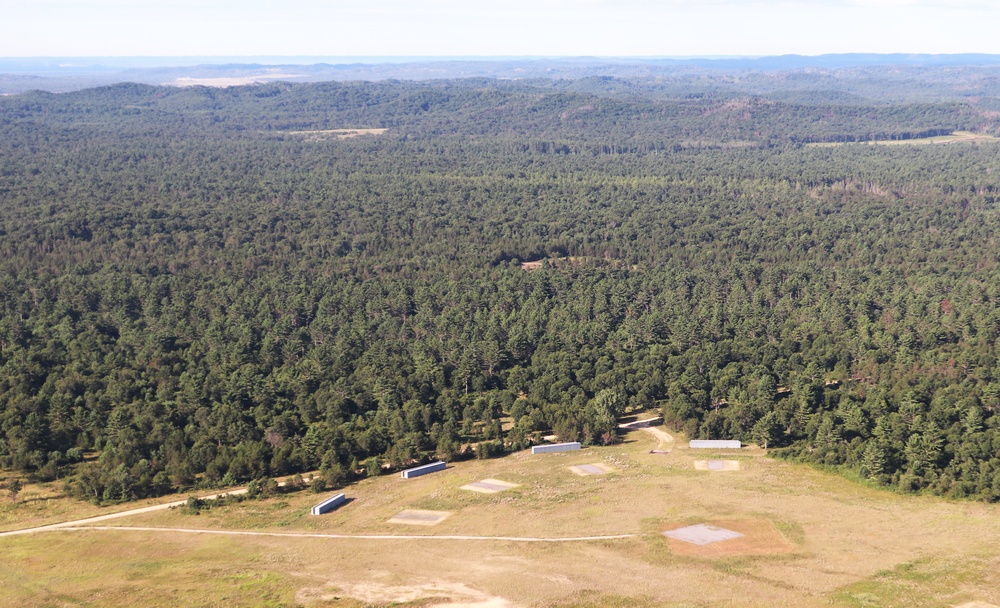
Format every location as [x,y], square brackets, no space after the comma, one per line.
[664,439]
[702,534]
[495,602]
[717,465]
[596,468]
[335,133]
[419,517]
[454,595]
[489,486]
[757,537]
[977,605]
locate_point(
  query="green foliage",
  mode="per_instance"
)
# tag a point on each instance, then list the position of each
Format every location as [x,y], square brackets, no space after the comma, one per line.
[190,296]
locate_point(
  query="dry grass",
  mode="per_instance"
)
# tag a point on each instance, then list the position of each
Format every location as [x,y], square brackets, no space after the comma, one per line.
[45,503]
[840,544]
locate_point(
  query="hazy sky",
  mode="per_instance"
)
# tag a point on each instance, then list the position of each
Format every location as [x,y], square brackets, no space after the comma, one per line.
[505,27]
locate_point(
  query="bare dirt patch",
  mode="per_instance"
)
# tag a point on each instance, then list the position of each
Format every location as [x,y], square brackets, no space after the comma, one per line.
[454,595]
[758,537]
[664,439]
[573,261]
[419,517]
[323,134]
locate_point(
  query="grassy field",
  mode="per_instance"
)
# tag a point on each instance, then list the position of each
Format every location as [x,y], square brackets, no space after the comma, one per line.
[955,138]
[812,539]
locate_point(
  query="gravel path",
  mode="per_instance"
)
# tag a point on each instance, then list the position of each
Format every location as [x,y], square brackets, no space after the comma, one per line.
[519,539]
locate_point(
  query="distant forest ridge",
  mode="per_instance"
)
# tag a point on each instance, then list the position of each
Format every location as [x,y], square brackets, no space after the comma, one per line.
[61,74]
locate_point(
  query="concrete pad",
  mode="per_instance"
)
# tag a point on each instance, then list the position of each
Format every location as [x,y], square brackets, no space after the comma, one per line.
[419,517]
[702,534]
[717,465]
[489,486]
[591,469]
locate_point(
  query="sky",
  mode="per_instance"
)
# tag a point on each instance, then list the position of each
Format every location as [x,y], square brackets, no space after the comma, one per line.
[608,28]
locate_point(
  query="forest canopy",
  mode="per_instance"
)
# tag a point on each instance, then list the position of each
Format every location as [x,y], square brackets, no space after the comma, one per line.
[191,294]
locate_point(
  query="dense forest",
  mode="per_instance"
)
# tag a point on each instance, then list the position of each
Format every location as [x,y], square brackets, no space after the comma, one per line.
[193,292]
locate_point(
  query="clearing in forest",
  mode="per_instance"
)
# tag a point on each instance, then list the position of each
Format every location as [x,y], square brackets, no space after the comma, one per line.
[958,137]
[323,134]
[809,539]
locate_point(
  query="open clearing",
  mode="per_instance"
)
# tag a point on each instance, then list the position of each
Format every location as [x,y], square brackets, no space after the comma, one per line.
[958,137]
[320,135]
[809,539]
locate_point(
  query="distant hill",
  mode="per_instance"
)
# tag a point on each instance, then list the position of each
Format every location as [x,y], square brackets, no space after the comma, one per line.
[63,74]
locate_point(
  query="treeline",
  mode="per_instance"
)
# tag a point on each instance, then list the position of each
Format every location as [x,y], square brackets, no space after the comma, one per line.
[581,120]
[189,297]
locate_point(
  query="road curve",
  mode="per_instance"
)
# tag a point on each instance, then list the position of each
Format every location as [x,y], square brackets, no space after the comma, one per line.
[99,518]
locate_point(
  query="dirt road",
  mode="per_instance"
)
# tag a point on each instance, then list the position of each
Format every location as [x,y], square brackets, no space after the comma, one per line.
[99,518]
[517,539]
[664,438]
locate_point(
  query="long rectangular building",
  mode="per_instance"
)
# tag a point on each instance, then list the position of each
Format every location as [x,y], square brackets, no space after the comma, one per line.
[555,447]
[716,444]
[425,469]
[329,504]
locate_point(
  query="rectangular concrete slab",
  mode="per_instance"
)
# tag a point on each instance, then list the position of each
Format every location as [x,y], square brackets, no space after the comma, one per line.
[419,517]
[717,465]
[591,469]
[489,486]
[702,534]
